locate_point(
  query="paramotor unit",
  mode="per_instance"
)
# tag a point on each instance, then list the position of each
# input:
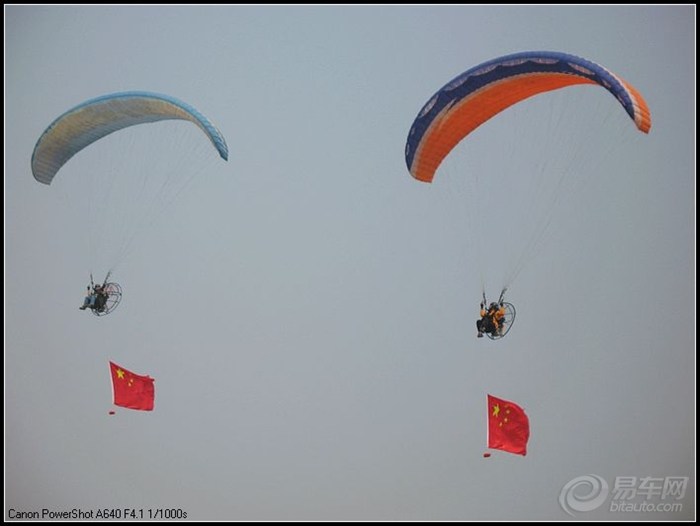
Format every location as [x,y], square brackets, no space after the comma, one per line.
[102,298]
[108,299]
[506,322]
[497,321]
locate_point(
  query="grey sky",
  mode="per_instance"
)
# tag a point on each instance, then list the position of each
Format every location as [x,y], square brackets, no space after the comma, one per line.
[307,309]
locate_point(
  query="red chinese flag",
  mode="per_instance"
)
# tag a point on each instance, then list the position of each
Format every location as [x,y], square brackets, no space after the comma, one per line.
[509,428]
[132,390]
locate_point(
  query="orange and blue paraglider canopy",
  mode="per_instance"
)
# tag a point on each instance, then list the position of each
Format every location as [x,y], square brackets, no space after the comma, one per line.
[472,98]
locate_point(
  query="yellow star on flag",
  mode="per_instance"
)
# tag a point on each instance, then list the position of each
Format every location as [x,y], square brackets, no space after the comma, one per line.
[496,410]
[120,374]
